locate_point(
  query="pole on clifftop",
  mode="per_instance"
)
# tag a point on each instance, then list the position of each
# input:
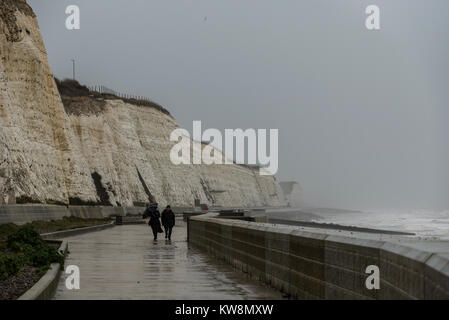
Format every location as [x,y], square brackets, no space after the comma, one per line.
[73,63]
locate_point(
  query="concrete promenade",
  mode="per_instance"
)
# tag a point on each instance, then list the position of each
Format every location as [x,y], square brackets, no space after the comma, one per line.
[124,263]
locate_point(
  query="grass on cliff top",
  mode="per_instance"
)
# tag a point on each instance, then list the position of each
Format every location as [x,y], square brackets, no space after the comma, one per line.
[51,226]
[72,88]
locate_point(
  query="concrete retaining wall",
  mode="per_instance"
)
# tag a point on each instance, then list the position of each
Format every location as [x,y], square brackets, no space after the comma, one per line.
[323,264]
[92,212]
[180,210]
[21,214]
[133,210]
[74,232]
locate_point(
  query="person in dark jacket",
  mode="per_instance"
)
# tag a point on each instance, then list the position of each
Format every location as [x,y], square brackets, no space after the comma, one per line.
[154,221]
[168,221]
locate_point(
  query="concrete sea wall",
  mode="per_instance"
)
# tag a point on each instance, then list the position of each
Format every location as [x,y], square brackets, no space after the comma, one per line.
[323,264]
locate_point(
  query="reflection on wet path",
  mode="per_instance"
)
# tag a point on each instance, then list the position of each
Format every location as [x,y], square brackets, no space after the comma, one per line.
[124,263]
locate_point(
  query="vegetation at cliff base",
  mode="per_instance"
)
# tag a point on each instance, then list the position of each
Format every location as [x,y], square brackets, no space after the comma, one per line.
[25,256]
[25,247]
[51,226]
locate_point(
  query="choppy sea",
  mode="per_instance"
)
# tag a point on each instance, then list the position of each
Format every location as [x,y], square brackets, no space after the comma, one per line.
[425,223]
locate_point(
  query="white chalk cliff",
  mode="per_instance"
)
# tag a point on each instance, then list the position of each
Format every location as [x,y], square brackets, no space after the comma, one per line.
[293,193]
[93,149]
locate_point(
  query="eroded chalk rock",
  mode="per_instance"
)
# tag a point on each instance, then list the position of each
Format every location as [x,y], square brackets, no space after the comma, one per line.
[91,149]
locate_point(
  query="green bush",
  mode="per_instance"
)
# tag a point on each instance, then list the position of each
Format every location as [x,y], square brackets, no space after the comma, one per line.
[9,265]
[6,229]
[25,235]
[27,248]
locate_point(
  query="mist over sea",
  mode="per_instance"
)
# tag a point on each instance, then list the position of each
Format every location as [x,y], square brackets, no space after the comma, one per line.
[424,223]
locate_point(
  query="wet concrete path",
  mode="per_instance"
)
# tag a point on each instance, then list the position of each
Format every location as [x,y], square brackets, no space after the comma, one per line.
[124,263]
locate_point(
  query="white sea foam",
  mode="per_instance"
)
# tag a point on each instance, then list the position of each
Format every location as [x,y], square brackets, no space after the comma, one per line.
[424,223]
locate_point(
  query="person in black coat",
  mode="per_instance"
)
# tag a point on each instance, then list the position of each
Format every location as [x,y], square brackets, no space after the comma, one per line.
[154,221]
[168,221]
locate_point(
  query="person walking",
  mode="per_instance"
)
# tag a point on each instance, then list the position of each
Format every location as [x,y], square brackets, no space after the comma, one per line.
[154,221]
[168,221]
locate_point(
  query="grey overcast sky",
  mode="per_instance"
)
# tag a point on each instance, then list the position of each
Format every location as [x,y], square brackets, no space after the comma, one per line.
[362,115]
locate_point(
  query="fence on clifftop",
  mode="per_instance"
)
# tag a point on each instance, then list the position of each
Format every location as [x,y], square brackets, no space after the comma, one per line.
[134,99]
[105,90]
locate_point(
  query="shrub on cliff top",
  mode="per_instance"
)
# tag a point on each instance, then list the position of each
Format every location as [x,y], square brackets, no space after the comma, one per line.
[71,88]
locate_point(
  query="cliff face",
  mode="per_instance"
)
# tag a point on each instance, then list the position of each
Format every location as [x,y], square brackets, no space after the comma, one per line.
[293,194]
[129,147]
[95,149]
[33,132]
